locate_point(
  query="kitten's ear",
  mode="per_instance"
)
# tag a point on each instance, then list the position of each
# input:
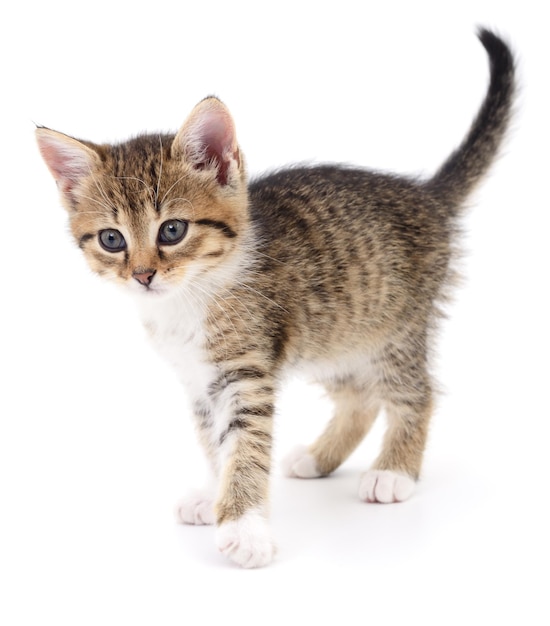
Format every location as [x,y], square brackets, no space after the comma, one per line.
[207,139]
[69,160]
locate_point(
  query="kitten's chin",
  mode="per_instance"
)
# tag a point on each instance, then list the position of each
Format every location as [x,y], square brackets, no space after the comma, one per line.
[153,292]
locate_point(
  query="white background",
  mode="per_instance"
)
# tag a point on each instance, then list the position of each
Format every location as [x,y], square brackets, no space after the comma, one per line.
[95,442]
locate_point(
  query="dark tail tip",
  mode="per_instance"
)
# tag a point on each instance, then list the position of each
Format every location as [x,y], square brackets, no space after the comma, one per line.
[467,165]
[501,58]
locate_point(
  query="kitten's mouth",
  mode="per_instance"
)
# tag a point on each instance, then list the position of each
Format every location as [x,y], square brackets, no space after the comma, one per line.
[155,291]
[150,291]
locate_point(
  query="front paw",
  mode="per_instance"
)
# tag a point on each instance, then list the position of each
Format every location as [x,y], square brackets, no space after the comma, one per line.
[197,508]
[247,541]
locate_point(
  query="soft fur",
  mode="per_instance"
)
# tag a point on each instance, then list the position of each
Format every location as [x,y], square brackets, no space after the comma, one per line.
[331,270]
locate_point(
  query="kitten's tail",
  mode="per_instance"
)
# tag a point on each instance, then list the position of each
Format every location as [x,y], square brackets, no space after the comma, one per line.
[470,161]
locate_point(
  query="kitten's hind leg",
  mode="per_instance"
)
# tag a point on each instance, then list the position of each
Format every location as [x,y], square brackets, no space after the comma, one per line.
[197,507]
[355,411]
[407,392]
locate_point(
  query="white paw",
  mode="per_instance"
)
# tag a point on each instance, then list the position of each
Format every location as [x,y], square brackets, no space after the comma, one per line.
[197,508]
[385,486]
[300,464]
[247,541]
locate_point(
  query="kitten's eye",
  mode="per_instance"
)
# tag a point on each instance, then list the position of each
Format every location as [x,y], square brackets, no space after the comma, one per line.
[112,240]
[172,231]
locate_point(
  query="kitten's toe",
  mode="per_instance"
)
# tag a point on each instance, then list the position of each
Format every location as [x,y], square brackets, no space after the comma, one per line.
[197,508]
[300,464]
[385,486]
[247,541]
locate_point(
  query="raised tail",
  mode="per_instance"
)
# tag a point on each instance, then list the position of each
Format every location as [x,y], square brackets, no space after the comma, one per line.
[467,165]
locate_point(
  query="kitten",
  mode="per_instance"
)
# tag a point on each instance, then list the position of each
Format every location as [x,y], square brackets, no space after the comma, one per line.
[329,270]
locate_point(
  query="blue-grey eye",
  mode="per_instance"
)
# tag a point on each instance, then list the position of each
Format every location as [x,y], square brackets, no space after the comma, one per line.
[172,231]
[111,240]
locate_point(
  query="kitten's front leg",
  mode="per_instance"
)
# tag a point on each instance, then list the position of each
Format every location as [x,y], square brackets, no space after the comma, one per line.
[243,533]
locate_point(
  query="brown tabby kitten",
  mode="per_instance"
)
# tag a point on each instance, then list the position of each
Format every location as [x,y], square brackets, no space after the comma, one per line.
[331,270]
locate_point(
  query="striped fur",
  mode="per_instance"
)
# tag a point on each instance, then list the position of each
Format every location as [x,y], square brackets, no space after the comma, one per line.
[333,271]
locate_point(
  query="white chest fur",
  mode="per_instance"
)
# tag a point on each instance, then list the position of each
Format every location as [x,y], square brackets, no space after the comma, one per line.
[176,330]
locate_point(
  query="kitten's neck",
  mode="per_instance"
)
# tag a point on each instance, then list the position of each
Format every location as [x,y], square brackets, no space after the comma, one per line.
[200,289]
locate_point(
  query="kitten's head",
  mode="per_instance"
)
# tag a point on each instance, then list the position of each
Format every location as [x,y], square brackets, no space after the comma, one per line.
[158,211]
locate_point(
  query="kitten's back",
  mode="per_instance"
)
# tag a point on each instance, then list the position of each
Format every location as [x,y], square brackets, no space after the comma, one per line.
[353,253]
[350,251]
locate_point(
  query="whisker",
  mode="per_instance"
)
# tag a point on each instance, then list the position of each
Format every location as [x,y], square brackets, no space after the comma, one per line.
[226,301]
[228,317]
[107,207]
[103,194]
[167,204]
[90,212]
[259,293]
[200,300]
[172,187]
[150,190]
[256,252]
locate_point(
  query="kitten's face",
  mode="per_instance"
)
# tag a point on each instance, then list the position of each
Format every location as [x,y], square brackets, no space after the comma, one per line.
[158,212]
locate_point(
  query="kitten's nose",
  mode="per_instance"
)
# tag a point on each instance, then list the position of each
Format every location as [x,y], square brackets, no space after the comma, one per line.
[144,276]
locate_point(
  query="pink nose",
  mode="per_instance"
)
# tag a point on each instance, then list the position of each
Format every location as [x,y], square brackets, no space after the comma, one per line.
[144,277]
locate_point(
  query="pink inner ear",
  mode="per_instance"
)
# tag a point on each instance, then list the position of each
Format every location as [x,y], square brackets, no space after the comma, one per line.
[66,159]
[218,142]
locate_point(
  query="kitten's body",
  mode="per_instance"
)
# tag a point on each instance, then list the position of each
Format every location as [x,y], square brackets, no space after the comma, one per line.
[330,270]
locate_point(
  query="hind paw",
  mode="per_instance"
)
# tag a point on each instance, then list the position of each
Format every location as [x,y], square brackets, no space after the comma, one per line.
[385,486]
[300,464]
[197,508]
